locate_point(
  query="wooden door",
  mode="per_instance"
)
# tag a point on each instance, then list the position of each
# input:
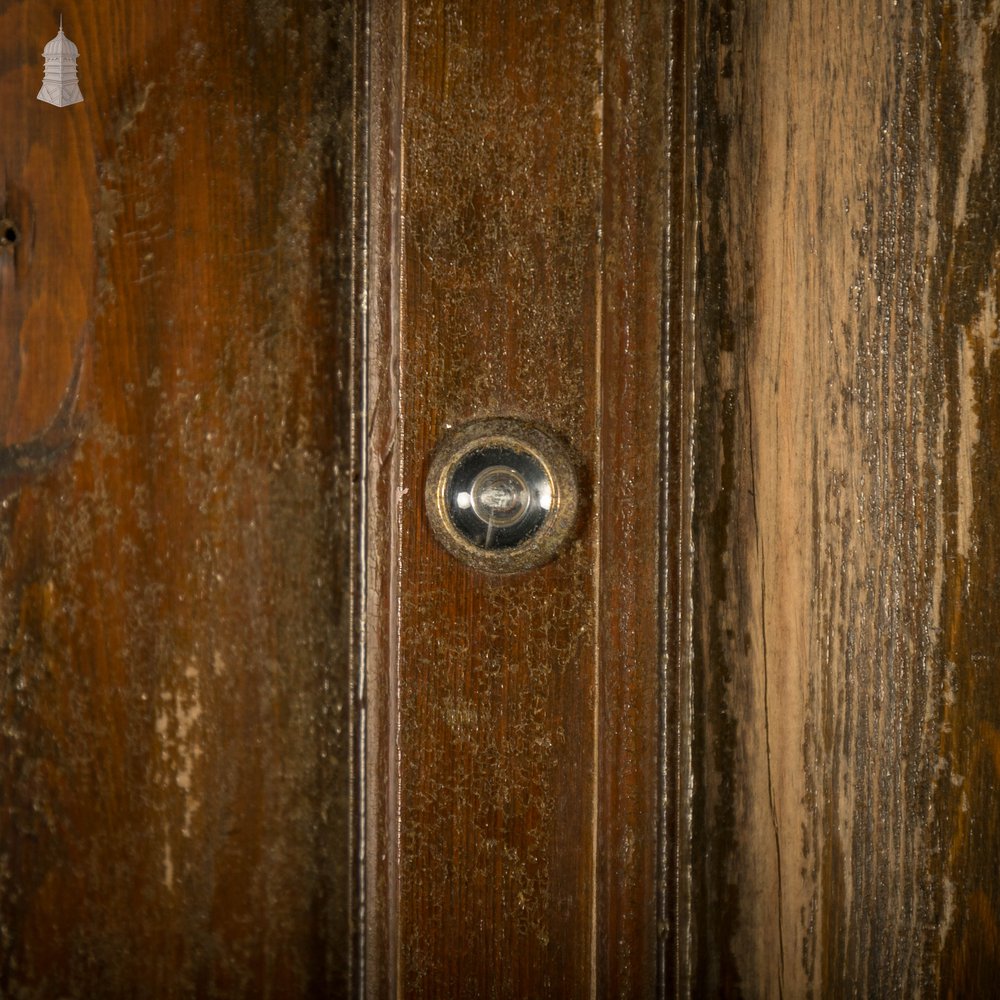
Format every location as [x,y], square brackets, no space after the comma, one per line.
[176,315]
[264,736]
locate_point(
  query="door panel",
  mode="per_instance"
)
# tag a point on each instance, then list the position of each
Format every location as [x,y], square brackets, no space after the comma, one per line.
[263,736]
[504,692]
[518,244]
[845,819]
[176,473]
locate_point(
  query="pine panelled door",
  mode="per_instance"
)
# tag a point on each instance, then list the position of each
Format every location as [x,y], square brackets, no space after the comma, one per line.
[498,499]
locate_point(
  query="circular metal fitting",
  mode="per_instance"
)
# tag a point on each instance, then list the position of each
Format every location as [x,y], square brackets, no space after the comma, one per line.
[501,495]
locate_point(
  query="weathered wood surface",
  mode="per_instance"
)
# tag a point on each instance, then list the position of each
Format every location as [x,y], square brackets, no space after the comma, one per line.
[846,677]
[518,206]
[793,532]
[175,398]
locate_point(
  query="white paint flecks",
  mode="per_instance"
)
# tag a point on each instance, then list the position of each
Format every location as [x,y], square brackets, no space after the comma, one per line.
[177,727]
[168,865]
[948,908]
[977,348]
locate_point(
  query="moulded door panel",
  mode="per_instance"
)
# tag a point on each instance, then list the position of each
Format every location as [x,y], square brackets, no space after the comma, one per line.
[736,740]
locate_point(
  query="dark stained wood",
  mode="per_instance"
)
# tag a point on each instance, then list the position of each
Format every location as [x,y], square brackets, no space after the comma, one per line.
[845,685]
[176,472]
[497,676]
[741,738]
[517,262]
[635,140]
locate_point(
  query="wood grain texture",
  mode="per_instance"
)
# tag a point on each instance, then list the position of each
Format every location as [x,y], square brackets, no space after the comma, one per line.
[636,211]
[844,178]
[517,255]
[176,463]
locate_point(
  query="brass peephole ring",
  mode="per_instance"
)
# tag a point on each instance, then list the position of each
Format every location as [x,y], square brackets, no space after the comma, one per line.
[502,495]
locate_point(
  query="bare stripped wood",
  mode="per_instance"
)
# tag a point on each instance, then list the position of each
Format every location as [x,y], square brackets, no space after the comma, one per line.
[518,205]
[175,422]
[846,687]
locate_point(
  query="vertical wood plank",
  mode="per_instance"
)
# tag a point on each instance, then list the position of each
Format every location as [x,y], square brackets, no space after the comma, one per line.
[518,245]
[845,177]
[175,547]
[635,211]
[496,684]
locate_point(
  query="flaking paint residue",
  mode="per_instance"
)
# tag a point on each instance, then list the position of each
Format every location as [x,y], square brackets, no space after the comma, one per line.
[974,37]
[177,726]
[847,323]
